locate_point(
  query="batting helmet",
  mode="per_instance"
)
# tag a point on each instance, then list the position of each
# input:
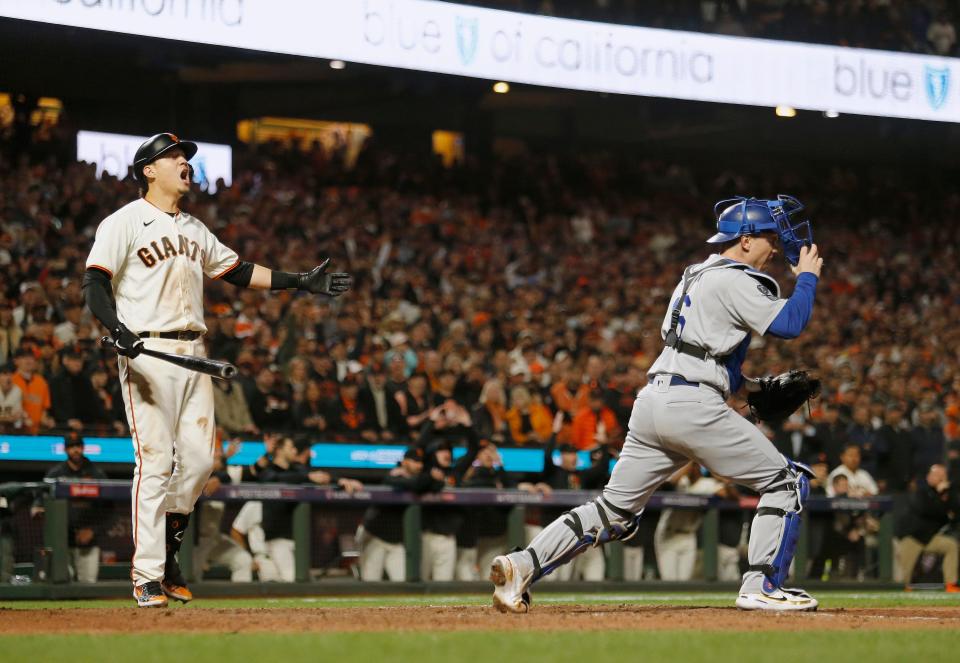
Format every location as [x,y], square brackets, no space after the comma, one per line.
[154,147]
[741,216]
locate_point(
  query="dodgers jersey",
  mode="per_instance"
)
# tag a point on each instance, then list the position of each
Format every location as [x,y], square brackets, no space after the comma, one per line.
[726,302]
[156,263]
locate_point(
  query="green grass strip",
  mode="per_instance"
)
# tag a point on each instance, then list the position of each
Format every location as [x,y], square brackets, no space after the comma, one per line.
[828,600]
[877,646]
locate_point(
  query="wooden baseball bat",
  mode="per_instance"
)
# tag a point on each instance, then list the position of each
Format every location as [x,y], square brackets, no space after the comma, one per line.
[215,367]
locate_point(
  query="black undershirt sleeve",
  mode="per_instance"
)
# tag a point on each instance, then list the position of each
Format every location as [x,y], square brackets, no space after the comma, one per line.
[240,275]
[98,295]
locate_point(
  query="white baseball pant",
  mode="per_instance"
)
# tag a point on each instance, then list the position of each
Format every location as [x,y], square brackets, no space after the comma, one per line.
[170,412]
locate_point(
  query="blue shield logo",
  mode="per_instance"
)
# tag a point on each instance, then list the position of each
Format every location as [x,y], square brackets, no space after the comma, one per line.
[467,38]
[937,85]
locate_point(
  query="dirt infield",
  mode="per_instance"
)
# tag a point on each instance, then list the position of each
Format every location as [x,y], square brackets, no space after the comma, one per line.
[461,618]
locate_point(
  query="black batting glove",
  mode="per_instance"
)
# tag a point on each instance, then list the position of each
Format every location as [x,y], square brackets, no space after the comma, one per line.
[127,343]
[318,282]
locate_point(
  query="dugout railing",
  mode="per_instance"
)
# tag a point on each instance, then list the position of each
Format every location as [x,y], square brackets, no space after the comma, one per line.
[57,495]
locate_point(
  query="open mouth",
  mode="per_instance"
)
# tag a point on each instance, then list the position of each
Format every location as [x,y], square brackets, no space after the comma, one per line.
[185,174]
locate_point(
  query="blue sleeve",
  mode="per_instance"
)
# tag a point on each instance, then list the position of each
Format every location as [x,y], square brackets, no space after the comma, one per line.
[734,364]
[795,314]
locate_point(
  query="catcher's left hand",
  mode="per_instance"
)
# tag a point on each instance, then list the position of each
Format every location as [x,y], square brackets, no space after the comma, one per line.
[779,396]
[319,282]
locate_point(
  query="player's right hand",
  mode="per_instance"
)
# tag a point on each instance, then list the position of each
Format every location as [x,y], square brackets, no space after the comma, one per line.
[810,261]
[127,343]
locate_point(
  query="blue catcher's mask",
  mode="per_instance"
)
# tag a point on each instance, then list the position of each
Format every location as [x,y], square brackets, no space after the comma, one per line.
[751,216]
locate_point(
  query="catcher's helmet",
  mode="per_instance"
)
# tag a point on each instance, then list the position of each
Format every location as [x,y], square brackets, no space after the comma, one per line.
[750,216]
[154,147]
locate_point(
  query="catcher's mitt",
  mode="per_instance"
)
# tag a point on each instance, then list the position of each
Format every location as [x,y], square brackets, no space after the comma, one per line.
[780,395]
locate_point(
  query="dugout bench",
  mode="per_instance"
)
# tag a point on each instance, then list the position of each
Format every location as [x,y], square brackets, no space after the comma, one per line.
[58,494]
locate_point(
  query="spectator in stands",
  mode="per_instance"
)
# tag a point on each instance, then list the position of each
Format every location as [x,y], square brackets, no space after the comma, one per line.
[569,394]
[36,392]
[794,439]
[861,432]
[269,403]
[415,403]
[933,506]
[66,333]
[827,443]
[346,419]
[231,410]
[108,410]
[381,534]
[12,416]
[310,413]
[73,400]
[10,333]
[942,35]
[470,385]
[445,388]
[595,424]
[382,418]
[490,413]
[896,466]
[528,418]
[929,444]
[86,517]
[860,483]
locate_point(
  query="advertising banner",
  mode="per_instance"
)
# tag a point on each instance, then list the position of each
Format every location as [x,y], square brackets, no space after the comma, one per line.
[113,153]
[50,448]
[509,46]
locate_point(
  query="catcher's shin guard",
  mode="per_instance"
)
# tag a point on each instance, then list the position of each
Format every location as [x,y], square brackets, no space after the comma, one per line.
[776,526]
[592,524]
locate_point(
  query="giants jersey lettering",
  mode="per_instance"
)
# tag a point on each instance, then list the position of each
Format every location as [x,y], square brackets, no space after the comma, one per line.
[156,263]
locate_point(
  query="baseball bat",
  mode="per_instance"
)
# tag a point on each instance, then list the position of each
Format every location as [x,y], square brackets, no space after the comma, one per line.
[215,367]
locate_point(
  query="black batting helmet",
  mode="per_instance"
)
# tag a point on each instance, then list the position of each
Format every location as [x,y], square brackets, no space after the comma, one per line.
[154,147]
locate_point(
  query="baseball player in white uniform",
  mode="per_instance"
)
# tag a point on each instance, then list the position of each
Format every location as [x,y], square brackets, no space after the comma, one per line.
[682,414]
[144,282]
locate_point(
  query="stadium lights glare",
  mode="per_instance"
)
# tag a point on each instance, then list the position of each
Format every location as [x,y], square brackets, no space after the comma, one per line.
[786,111]
[831,113]
[337,64]
[501,87]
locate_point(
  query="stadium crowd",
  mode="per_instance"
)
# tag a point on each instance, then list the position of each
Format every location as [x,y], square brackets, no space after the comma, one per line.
[928,26]
[517,299]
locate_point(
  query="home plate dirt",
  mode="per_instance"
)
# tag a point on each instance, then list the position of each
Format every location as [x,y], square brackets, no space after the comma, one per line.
[462,618]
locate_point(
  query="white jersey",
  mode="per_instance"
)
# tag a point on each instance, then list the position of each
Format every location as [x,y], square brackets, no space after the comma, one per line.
[157,262]
[724,304]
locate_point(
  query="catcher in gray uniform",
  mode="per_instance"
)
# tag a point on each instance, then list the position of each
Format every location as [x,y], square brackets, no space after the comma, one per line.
[682,414]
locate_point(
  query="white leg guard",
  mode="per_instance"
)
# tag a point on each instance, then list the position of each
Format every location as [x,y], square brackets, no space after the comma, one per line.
[773,540]
[591,524]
